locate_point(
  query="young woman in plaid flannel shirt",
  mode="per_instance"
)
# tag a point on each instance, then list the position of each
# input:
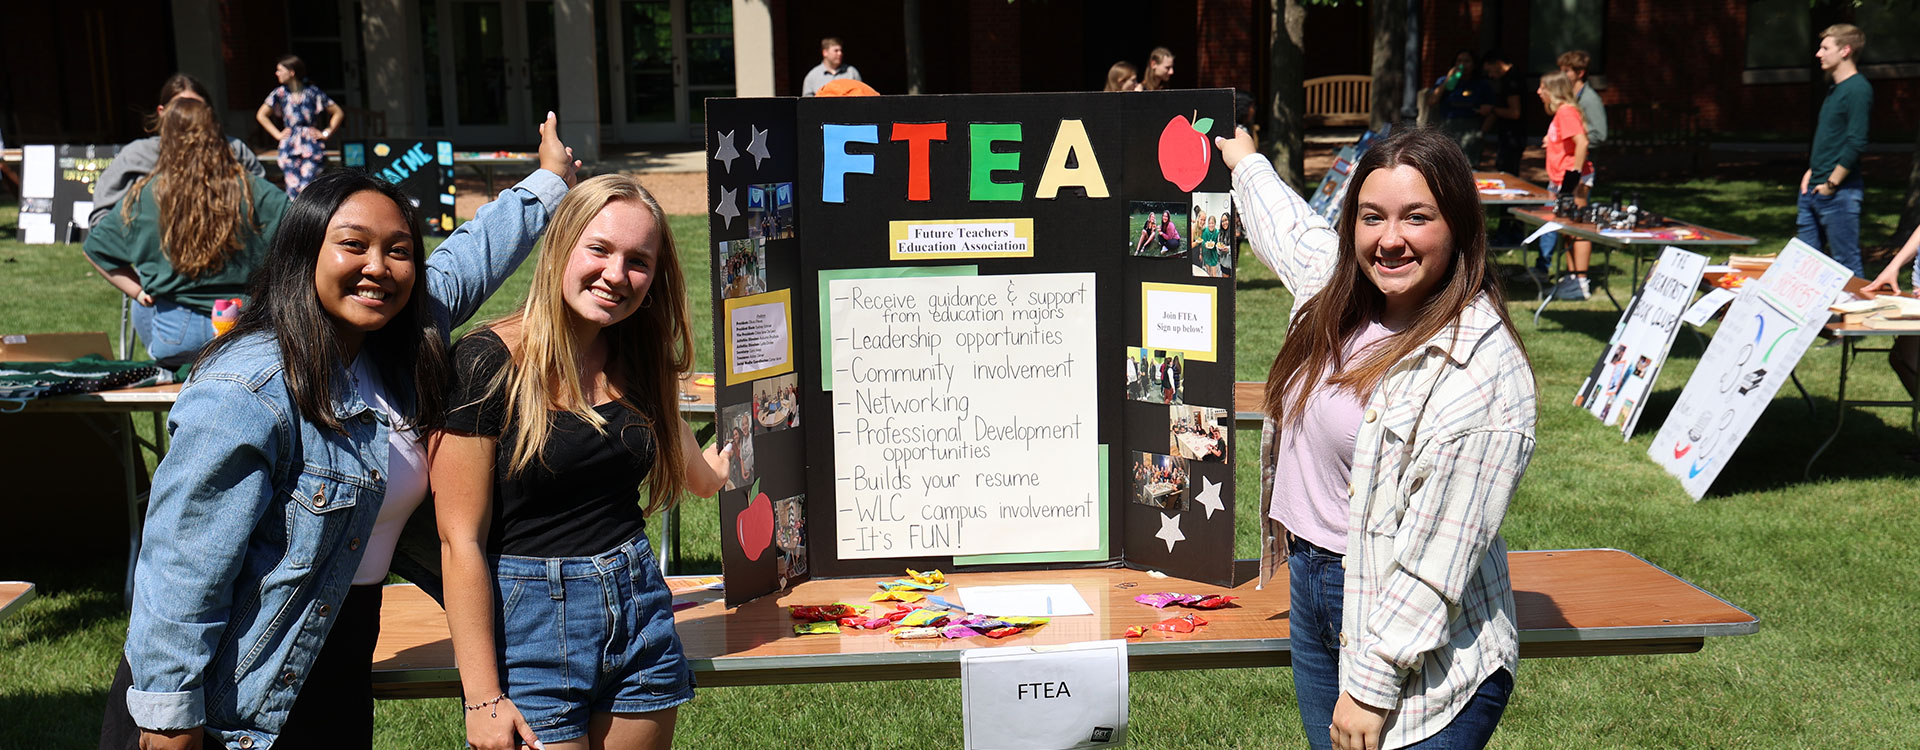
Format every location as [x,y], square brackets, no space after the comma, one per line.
[1400,419]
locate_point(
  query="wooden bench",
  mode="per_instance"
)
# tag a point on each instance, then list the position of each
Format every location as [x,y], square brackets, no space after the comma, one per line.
[1344,101]
[1571,603]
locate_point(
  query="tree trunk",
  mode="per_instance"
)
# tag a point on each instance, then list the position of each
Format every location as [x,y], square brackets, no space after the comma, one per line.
[910,36]
[1286,92]
[1389,21]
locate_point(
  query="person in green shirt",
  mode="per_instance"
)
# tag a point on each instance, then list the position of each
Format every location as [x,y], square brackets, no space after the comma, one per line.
[189,233]
[1830,190]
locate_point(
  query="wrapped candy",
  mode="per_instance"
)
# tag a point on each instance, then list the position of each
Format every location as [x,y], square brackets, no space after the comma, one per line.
[923,617]
[1214,601]
[912,634]
[1025,621]
[931,576]
[998,633]
[958,631]
[897,596]
[876,623]
[823,612]
[1136,631]
[1183,624]
[816,628]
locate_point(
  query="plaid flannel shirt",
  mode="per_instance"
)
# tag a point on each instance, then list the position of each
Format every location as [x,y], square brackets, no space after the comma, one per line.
[1428,612]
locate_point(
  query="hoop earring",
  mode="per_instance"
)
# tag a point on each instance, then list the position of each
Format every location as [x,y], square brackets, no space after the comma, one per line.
[646,302]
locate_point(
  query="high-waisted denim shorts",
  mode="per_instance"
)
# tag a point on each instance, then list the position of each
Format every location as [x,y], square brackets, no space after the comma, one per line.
[586,635]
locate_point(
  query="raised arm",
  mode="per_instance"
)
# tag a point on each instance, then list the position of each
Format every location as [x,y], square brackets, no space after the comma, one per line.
[469,267]
[706,469]
[1285,233]
[264,116]
[213,486]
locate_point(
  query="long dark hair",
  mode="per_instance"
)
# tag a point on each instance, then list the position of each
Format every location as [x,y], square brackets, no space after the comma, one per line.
[205,200]
[411,349]
[1317,336]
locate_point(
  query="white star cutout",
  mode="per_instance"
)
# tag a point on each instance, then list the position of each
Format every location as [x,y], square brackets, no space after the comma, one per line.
[758,147]
[729,205]
[1209,496]
[726,153]
[1170,531]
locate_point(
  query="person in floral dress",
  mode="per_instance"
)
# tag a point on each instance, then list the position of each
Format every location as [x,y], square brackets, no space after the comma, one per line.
[298,105]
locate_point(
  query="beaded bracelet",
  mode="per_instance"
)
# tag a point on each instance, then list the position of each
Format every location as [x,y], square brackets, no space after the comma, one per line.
[494,702]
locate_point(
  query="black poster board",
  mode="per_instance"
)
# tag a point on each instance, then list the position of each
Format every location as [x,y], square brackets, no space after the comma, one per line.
[76,169]
[903,168]
[422,168]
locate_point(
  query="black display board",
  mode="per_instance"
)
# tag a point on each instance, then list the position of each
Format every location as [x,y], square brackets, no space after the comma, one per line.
[422,168]
[1065,197]
[76,169]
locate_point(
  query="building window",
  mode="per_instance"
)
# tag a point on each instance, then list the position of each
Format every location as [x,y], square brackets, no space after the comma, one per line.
[1562,25]
[1893,33]
[1779,34]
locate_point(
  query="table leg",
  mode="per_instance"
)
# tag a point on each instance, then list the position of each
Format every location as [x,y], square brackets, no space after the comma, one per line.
[1840,406]
[1608,286]
[1805,398]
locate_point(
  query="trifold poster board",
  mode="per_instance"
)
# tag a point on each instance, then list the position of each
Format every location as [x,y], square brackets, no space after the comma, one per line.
[422,168]
[56,190]
[1630,363]
[972,332]
[1767,329]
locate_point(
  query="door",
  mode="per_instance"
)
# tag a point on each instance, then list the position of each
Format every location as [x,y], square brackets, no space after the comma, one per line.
[666,57]
[497,61]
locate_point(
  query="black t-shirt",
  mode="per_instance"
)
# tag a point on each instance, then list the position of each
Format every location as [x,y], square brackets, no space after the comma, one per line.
[584,499]
[1507,86]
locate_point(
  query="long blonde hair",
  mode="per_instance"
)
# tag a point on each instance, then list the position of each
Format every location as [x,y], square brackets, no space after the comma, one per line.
[201,222]
[646,353]
[1559,92]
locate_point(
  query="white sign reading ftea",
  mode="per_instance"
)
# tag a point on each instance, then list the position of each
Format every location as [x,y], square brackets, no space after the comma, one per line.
[963,415]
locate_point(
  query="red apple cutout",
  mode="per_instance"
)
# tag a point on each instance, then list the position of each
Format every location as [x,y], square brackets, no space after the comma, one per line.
[754,526]
[1185,152]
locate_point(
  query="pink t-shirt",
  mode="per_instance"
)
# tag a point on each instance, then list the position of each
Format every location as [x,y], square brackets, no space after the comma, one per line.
[1315,459]
[1566,124]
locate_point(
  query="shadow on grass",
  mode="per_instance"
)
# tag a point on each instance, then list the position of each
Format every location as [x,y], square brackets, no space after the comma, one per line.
[1595,324]
[1775,452]
[61,718]
[1249,285]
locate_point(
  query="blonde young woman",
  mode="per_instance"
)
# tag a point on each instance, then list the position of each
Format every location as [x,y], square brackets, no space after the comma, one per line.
[1400,418]
[562,625]
[1568,168]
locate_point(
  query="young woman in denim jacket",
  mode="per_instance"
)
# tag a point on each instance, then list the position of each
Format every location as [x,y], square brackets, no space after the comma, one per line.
[296,456]
[1400,419]
[562,624]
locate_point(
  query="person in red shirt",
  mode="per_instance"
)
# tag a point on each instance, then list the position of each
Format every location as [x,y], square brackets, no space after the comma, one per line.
[1568,168]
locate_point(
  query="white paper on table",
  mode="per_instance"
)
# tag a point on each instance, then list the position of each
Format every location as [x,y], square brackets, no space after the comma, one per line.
[1710,303]
[1624,233]
[1719,269]
[1025,600]
[37,171]
[1503,191]
[1544,230]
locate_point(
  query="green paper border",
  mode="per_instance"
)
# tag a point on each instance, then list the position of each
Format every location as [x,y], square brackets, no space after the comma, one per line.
[1097,554]
[826,301]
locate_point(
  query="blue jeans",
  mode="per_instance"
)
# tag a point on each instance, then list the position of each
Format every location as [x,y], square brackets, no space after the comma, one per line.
[584,635]
[1316,582]
[169,330]
[1831,223]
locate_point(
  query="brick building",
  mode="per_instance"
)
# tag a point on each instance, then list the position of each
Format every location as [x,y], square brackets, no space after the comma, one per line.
[482,72]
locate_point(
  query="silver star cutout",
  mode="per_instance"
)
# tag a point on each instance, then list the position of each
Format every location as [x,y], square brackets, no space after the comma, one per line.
[1209,496]
[1170,531]
[725,154]
[758,147]
[729,205]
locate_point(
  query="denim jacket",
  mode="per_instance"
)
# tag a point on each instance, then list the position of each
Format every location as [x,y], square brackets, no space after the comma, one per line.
[258,517]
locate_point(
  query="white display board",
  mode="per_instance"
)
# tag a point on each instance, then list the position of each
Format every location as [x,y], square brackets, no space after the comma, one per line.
[963,415]
[1047,698]
[1617,388]
[1766,331]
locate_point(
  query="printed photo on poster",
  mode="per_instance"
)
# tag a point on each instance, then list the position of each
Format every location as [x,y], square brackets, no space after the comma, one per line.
[770,211]
[790,535]
[1154,227]
[1210,226]
[1160,481]
[736,428]
[776,403]
[1198,433]
[1153,375]
[743,267]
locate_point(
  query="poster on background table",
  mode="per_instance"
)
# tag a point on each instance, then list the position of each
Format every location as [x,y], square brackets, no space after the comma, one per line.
[1623,376]
[1327,199]
[1766,330]
[56,190]
[949,295]
[422,168]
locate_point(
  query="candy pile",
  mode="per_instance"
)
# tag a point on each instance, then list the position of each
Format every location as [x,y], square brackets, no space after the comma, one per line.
[1195,601]
[918,614]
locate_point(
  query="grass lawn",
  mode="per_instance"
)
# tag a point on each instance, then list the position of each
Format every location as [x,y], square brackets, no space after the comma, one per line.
[1826,563]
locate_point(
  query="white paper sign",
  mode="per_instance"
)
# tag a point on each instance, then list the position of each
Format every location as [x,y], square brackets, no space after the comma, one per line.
[37,171]
[1048,698]
[1544,230]
[1708,304]
[1024,600]
[963,415]
[760,337]
[1630,364]
[1180,320]
[1764,335]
